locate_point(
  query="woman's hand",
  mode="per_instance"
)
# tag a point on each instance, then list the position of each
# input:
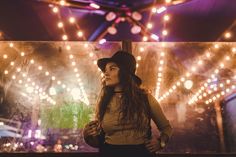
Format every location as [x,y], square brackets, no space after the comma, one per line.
[92,129]
[153,145]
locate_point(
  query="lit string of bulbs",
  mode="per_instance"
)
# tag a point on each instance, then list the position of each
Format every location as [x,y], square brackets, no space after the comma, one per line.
[194,98]
[180,81]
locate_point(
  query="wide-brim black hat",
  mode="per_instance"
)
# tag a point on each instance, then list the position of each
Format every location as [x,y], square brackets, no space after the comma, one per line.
[124,60]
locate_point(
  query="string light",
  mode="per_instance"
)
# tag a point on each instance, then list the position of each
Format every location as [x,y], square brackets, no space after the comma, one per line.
[165,32]
[72,20]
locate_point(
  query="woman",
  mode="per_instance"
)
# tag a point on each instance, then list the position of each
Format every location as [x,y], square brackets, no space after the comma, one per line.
[124,112]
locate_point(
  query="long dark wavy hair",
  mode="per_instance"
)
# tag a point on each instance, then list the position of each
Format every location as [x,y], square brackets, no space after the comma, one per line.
[133,102]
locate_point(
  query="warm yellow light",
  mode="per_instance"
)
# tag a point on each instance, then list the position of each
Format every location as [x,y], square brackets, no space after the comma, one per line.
[227,35]
[145,38]
[71,56]
[13,77]
[62,2]
[72,20]
[193,69]
[91,54]
[20,81]
[149,25]
[139,58]
[80,33]
[221,85]
[165,32]
[222,65]
[188,84]
[5,56]
[141,49]
[68,47]
[60,24]
[5,72]
[18,69]
[55,9]
[208,55]
[95,62]
[159,74]
[59,82]
[32,61]
[154,10]
[137,65]
[160,68]
[73,63]
[40,67]
[227,58]
[85,45]
[64,37]
[53,78]
[22,54]
[75,70]
[166,17]
[216,71]
[28,79]
[168,1]
[12,63]
[228,81]
[216,46]
[234,50]
[222,93]
[200,62]
[77,75]
[159,79]
[178,83]
[162,54]
[161,62]
[11,44]
[182,79]
[46,73]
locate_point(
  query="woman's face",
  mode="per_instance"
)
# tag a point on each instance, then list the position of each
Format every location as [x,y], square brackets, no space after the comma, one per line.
[111,74]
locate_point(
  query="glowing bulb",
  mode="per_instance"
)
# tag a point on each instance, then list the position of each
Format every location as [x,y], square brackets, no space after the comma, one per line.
[55,10]
[141,49]
[46,73]
[227,35]
[5,72]
[40,67]
[145,38]
[75,70]
[216,46]
[18,69]
[228,81]
[208,55]
[85,45]
[188,84]
[5,56]
[154,10]
[200,62]
[234,50]
[162,54]
[59,82]
[164,32]
[91,54]
[222,65]
[62,2]
[168,1]
[161,62]
[149,25]
[166,17]
[73,63]
[22,54]
[32,61]
[13,77]
[11,44]
[139,58]
[68,47]
[71,56]
[64,37]
[60,24]
[227,58]
[12,63]
[53,78]
[95,62]
[20,81]
[80,34]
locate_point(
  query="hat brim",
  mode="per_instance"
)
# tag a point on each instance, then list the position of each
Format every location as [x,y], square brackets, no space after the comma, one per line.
[103,62]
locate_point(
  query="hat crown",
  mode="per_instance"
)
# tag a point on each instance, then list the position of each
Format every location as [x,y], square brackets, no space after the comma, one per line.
[125,60]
